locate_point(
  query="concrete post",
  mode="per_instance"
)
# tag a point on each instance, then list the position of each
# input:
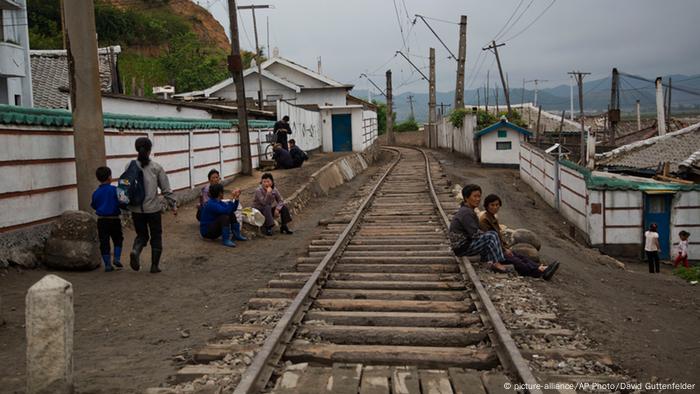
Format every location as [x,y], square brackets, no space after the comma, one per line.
[639,118]
[660,116]
[49,323]
[86,99]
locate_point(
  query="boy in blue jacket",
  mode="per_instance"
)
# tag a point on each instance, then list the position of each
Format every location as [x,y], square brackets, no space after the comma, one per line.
[109,225]
[216,215]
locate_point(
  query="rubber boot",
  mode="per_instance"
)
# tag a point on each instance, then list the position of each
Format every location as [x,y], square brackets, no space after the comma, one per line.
[226,237]
[285,230]
[108,265]
[155,260]
[236,230]
[135,255]
[118,257]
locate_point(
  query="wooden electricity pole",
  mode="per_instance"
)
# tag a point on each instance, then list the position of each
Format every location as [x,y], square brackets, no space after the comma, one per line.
[410,103]
[390,140]
[614,112]
[461,60]
[494,47]
[252,8]
[86,98]
[432,118]
[578,75]
[235,66]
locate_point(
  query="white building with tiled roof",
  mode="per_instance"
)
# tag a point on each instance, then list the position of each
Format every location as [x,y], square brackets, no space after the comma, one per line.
[15,74]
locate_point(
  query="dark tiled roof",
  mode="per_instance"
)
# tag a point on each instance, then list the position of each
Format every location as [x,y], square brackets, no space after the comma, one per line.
[50,85]
[673,148]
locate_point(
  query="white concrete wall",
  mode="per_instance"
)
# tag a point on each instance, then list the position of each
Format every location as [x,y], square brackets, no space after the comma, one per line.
[115,105]
[306,125]
[370,128]
[38,167]
[538,171]
[323,97]
[489,153]
[623,220]
[460,140]
[686,216]
[251,89]
[294,76]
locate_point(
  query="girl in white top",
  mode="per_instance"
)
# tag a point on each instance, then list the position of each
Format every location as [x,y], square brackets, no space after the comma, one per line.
[682,250]
[651,247]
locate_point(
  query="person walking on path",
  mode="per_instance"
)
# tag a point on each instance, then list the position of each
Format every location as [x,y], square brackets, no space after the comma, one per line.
[682,250]
[651,247]
[109,225]
[282,129]
[147,215]
[269,201]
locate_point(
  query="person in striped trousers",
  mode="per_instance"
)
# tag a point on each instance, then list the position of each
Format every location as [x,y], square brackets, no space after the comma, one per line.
[466,239]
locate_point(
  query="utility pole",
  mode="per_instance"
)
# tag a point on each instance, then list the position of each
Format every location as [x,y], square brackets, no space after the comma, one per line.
[235,66]
[537,89]
[538,137]
[579,81]
[461,60]
[268,37]
[389,111]
[614,112]
[252,8]
[86,98]
[498,106]
[639,117]
[410,103]
[522,95]
[494,47]
[668,107]
[478,99]
[431,102]
[571,101]
[660,119]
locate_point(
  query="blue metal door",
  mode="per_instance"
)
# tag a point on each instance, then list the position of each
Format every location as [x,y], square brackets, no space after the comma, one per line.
[342,133]
[657,209]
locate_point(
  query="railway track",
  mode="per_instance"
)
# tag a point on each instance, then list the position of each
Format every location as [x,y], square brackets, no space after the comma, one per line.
[379,305]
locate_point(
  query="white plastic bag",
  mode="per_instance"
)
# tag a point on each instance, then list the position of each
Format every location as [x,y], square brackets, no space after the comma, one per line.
[252,216]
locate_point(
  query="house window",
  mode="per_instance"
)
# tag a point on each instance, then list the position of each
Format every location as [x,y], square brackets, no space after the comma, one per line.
[503,145]
[503,134]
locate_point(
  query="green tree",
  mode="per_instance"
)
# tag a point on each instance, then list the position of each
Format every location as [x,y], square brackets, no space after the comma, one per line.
[381,116]
[191,66]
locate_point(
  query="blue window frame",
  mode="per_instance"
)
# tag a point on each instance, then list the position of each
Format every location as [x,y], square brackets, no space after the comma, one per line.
[502,133]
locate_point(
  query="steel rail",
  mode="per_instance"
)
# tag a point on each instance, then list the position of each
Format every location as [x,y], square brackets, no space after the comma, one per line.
[258,373]
[516,360]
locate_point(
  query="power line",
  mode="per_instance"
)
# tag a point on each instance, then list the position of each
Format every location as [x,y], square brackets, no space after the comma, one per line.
[398,20]
[441,20]
[517,19]
[533,21]
[509,19]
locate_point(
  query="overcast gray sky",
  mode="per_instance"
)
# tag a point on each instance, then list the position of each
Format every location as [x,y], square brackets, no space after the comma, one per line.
[645,37]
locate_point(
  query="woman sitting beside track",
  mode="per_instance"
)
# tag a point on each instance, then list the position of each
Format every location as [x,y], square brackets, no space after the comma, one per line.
[218,216]
[467,239]
[269,201]
[523,265]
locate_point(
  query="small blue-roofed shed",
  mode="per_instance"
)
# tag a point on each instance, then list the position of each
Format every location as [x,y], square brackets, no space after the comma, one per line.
[499,143]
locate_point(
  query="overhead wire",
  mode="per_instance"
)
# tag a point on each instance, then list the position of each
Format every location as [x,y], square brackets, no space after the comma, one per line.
[533,21]
[509,19]
[516,20]
[398,20]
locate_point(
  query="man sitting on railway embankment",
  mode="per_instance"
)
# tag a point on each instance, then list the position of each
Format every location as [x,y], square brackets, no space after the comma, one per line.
[466,239]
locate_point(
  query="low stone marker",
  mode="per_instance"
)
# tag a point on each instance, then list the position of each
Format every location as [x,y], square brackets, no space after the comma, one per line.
[49,322]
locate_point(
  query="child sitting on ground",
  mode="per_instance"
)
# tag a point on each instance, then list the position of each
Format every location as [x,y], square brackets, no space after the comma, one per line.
[218,216]
[109,225]
[682,250]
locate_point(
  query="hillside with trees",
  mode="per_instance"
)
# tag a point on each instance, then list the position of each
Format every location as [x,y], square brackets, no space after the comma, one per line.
[164,42]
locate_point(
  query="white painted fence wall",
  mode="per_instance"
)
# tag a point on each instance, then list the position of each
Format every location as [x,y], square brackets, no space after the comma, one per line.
[458,139]
[370,128]
[542,173]
[306,125]
[37,165]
